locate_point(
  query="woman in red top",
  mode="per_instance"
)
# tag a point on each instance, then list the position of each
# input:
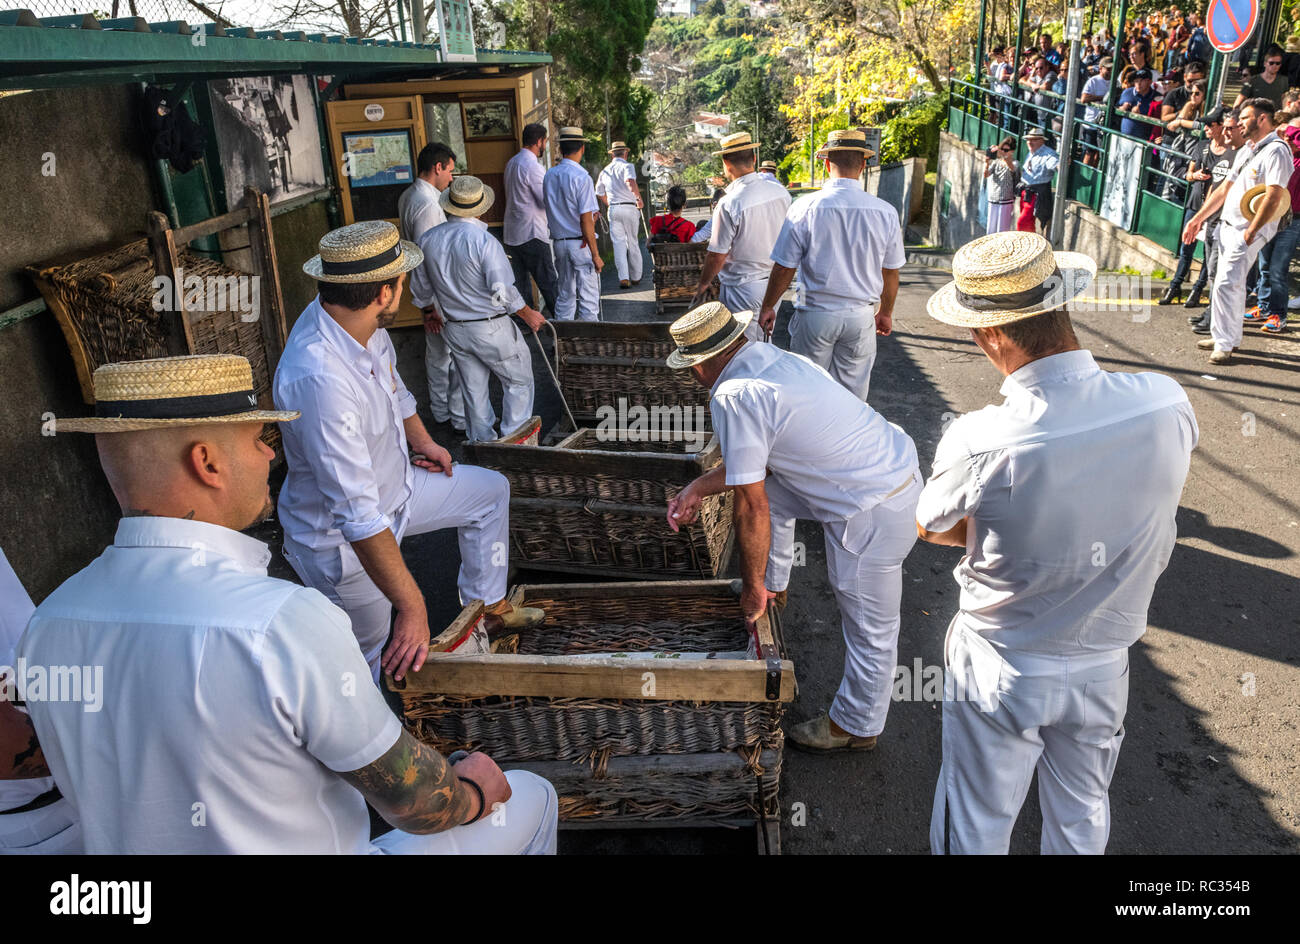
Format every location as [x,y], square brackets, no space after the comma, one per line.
[670,227]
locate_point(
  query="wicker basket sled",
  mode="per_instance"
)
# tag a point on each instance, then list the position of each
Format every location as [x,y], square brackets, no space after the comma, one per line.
[677,268]
[596,504]
[633,741]
[603,365]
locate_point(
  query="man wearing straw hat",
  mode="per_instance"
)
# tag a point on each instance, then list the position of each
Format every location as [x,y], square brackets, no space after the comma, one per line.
[796,444]
[847,247]
[1253,198]
[744,228]
[364,472]
[234,714]
[617,191]
[768,169]
[466,273]
[1063,498]
[571,210]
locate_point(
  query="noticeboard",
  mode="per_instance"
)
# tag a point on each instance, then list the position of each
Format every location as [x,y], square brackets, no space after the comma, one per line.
[456,31]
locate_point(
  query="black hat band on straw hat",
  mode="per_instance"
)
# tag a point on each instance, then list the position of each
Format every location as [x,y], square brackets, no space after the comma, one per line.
[690,350]
[377,261]
[178,408]
[1013,301]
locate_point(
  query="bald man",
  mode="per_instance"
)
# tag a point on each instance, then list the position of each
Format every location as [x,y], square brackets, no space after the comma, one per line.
[239,715]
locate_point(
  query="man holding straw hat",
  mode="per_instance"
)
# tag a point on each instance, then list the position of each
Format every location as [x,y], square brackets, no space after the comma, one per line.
[847,247]
[571,210]
[1063,498]
[744,227]
[364,472]
[234,715]
[466,273]
[796,444]
[617,191]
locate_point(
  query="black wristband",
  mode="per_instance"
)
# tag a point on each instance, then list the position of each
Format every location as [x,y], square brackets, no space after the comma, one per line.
[482,800]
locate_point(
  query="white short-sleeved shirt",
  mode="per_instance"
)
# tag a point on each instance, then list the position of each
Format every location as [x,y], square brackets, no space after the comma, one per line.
[1268,162]
[465,273]
[569,194]
[525,215]
[349,468]
[418,210]
[1071,486]
[15,610]
[840,238]
[1095,85]
[617,182]
[778,411]
[745,223]
[230,700]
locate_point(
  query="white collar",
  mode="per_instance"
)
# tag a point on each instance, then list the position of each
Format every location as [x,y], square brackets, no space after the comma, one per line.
[343,343]
[248,554]
[1056,368]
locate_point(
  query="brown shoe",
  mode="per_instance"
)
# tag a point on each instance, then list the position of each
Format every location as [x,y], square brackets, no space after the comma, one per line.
[816,736]
[1221,357]
[624,283]
[1207,344]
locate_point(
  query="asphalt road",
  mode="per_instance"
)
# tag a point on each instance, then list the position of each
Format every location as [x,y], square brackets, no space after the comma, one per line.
[1209,764]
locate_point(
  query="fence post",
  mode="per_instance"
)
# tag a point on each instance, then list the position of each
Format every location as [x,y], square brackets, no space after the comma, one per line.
[1066,143]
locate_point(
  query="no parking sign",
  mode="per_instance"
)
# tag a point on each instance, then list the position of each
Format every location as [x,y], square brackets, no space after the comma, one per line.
[1229,23]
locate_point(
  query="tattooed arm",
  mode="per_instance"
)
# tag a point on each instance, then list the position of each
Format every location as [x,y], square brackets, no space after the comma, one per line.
[416,790]
[21,757]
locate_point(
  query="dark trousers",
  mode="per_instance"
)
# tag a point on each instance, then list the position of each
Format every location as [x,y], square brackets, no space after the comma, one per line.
[533,259]
[1186,253]
[1044,200]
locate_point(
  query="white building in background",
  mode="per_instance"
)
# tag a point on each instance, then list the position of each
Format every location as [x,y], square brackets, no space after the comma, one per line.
[764,8]
[710,124]
[679,7]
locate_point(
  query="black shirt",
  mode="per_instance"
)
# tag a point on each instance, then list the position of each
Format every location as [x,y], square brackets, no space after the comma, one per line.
[1217,164]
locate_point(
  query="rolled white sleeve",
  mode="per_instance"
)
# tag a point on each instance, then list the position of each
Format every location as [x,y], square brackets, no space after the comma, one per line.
[587,198]
[319,685]
[791,244]
[895,255]
[957,481]
[329,433]
[602,189]
[744,434]
[724,230]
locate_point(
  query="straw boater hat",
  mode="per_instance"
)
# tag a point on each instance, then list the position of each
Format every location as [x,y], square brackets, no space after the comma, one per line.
[1006,277]
[173,391]
[851,139]
[704,331]
[467,196]
[370,251]
[617,146]
[1035,133]
[1253,198]
[768,165]
[740,141]
[571,133]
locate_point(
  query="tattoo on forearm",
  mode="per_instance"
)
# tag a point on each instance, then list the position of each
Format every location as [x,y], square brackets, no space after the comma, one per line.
[414,788]
[30,761]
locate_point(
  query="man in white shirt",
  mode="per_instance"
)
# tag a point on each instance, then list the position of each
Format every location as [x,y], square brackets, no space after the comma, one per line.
[1265,162]
[418,212]
[467,280]
[1093,96]
[235,714]
[847,247]
[795,444]
[1063,498]
[364,472]
[35,817]
[571,210]
[744,228]
[768,169]
[524,233]
[617,191]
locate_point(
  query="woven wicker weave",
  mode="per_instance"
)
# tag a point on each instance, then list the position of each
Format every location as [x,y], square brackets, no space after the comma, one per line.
[600,508]
[104,304]
[677,268]
[603,363]
[589,734]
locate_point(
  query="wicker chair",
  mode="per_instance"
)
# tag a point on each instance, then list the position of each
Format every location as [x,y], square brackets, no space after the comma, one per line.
[677,272]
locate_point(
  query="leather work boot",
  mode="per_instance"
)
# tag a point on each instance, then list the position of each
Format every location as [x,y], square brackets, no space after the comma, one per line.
[816,736]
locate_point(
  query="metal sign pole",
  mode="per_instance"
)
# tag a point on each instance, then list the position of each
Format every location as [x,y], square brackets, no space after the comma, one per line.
[1066,144]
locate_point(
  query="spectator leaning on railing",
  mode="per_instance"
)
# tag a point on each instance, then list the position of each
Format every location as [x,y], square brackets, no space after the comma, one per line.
[1137,101]
[1179,111]
[1036,174]
[1094,95]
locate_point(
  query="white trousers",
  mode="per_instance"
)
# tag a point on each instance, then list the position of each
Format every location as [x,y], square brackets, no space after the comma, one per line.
[474,500]
[842,341]
[577,285]
[1008,713]
[1002,217]
[747,296]
[50,830]
[445,400]
[1228,296]
[624,230]
[524,825]
[484,349]
[868,586]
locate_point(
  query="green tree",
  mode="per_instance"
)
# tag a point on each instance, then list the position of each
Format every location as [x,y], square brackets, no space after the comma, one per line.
[755,100]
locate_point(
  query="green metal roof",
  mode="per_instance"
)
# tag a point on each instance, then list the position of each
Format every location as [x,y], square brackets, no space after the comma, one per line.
[80,50]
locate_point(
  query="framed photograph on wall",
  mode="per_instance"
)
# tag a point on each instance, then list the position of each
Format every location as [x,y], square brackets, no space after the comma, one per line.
[491,119]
